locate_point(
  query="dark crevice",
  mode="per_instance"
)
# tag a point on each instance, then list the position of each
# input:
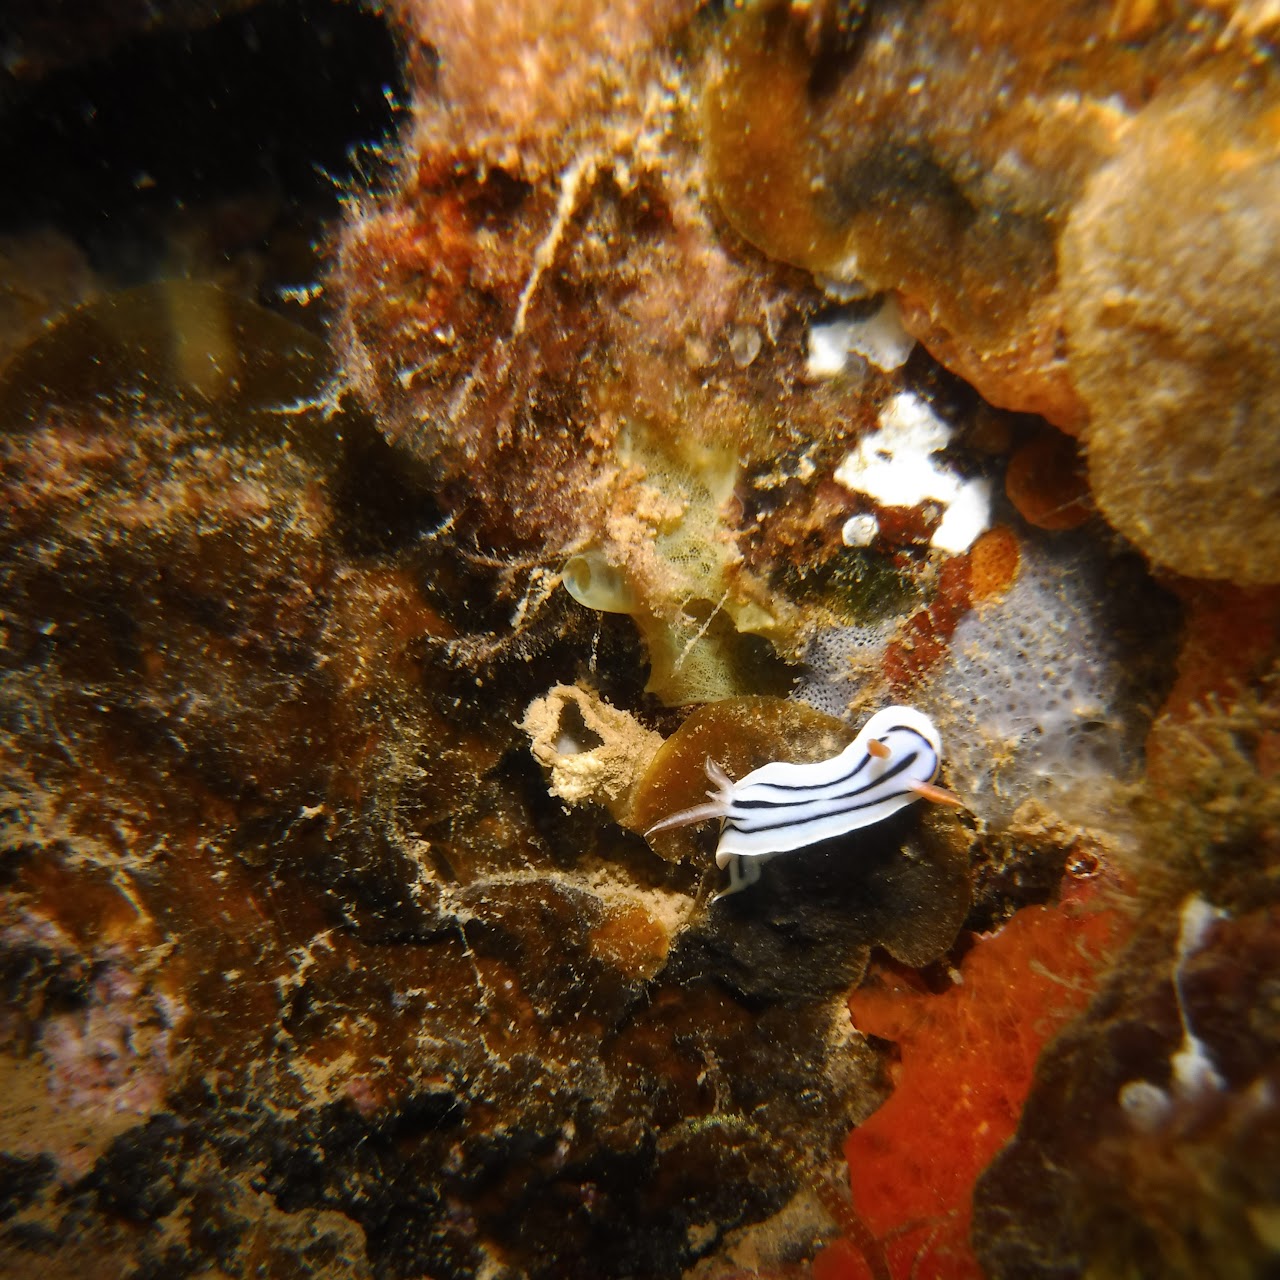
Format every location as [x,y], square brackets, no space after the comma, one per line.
[240,135]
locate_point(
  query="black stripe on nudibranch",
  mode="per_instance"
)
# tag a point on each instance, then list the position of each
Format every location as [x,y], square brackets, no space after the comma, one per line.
[887,776]
[749,827]
[801,806]
[817,786]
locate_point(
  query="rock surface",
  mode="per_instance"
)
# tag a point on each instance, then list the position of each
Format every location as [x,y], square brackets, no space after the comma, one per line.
[342,667]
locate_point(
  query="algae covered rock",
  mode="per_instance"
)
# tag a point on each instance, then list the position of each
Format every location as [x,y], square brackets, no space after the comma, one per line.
[292,937]
[1174,331]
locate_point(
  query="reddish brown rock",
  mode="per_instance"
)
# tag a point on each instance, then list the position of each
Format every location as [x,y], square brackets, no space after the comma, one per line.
[1045,481]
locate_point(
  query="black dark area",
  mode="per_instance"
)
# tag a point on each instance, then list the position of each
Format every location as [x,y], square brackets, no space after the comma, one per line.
[22,1178]
[384,498]
[137,1179]
[277,108]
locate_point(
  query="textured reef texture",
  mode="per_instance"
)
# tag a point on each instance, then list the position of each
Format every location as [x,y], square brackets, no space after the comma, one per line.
[1071,203]
[289,926]
[685,383]
[546,314]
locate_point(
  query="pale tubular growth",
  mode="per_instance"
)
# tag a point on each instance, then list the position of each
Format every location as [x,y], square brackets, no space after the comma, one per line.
[781,807]
[1194,1078]
[1194,1074]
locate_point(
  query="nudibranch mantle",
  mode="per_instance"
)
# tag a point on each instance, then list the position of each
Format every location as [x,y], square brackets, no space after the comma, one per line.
[781,807]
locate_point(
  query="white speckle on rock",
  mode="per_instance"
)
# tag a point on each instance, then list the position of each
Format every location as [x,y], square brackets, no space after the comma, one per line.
[860,530]
[1147,1107]
[842,290]
[744,344]
[828,347]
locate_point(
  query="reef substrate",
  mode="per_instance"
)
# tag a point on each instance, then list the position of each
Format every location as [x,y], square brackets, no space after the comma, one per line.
[687,382]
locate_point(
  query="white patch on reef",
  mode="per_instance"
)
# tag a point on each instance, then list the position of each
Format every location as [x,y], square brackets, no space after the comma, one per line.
[1197,918]
[828,348]
[1194,1079]
[847,273]
[896,467]
[860,531]
[1147,1107]
[1194,1074]
[882,339]
[879,338]
[965,518]
[744,342]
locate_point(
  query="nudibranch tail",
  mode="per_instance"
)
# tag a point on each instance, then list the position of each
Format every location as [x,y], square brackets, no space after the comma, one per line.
[718,807]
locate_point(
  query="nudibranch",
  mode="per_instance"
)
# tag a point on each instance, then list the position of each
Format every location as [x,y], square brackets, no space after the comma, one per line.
[781,807]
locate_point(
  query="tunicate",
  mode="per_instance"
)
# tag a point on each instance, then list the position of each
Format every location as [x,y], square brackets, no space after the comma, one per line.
[592,581]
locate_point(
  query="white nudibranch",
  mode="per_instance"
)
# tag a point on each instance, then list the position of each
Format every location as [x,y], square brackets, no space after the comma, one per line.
[781,807]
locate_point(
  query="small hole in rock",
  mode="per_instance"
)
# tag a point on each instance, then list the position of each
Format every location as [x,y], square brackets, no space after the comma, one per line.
[574,736]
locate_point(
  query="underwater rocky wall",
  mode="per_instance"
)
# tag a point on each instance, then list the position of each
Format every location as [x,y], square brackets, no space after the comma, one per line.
[649,385]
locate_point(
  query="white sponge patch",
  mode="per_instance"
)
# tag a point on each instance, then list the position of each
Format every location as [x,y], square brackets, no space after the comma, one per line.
[879,339]
[897,467]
